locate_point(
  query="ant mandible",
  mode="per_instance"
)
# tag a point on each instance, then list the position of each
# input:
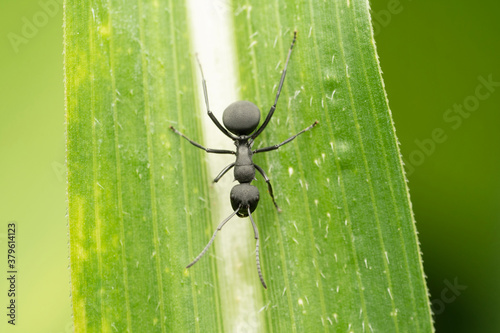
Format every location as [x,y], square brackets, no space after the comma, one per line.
[240,120]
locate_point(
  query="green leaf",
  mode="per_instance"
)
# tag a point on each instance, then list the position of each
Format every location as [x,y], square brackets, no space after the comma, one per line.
[342,256]
[137,194]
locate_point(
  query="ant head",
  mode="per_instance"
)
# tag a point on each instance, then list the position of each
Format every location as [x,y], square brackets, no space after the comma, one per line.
[241,118]
[245,195]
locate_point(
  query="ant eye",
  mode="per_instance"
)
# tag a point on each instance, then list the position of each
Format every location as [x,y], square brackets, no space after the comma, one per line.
[241,118]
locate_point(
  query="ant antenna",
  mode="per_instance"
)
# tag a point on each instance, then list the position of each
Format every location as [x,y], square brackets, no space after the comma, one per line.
[256,248]
[213,237]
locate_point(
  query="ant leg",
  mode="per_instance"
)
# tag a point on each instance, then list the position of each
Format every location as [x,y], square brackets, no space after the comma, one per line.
[269,187]
[223,172]
[260,150]
[213,237]
[271,112]
[210,114]
[257,258]
[208,150]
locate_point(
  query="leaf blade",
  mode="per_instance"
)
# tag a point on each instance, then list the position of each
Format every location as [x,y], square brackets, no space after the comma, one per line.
[345,158]
[130,203]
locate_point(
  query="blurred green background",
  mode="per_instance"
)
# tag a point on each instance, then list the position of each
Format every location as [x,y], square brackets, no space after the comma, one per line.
[432,54]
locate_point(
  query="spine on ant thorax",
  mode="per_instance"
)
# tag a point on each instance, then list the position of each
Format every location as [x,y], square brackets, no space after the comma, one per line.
[244,171]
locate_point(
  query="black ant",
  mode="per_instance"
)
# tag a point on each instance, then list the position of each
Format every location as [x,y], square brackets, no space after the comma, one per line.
[240,120]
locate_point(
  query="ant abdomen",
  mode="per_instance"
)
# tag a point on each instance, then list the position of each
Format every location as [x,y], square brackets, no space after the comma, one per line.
[244,196]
